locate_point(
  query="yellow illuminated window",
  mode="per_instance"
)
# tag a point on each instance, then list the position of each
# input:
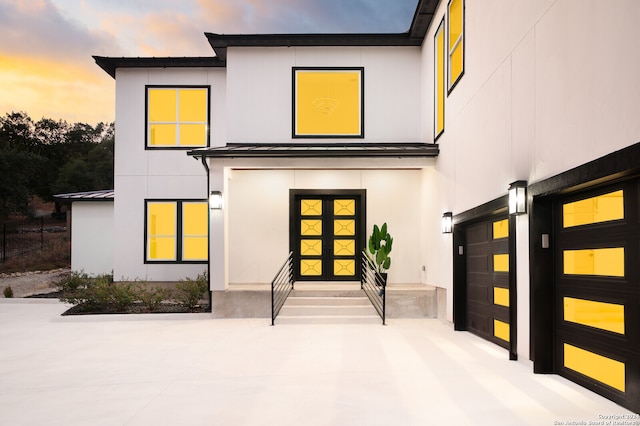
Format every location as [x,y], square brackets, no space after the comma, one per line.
[602,208]
[439,79]
[328,102]
[501,229]
[310,227]
[598,367]
[164,231]
[311,267]
[456,40]
[501,296]
[501,263]
[344,227]
[311,247]
[501,330]
[195,231]
[311,207]
[606,316]
[344,207]
[177,116]
[344,267]
[605,261]
[161,231]
[344,247]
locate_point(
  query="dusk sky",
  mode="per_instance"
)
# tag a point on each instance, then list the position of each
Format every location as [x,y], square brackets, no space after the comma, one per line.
[46,68]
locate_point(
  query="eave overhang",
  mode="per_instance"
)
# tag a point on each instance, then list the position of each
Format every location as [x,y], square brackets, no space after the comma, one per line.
[109,65]
[325,150]
[220,42]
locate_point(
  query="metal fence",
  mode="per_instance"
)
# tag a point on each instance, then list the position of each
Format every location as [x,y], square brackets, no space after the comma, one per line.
[20,238]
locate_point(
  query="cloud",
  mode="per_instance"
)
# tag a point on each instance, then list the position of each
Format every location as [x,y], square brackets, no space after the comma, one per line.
[46,67]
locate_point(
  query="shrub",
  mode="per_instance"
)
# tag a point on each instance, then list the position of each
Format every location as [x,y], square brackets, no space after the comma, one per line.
[94,293]
[152,297]
[190,291]
[8,292]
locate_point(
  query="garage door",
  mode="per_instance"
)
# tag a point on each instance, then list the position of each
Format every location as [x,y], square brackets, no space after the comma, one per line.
[596,291]
[487,249]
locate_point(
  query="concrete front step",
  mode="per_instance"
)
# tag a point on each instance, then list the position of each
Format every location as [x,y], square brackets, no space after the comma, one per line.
[328,319]
[327,310]
[322,300]
[328,303]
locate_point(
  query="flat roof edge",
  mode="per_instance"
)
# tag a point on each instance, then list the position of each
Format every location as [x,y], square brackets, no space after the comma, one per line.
[110,64]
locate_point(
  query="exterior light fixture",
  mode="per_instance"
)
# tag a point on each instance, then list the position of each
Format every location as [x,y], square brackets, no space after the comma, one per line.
[447,223]
[518,197]
[215,200]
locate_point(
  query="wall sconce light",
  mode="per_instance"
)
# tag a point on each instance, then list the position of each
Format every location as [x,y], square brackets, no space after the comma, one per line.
[518,197]
[215,200]
[447,223]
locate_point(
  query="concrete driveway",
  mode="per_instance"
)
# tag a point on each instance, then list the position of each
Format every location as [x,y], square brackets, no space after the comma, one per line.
[190,369]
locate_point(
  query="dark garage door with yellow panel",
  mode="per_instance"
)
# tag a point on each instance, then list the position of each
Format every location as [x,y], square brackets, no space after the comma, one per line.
[597,252]
[326,234]
[487,250]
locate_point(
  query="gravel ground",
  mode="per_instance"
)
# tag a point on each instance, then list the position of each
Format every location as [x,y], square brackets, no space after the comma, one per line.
[28,284]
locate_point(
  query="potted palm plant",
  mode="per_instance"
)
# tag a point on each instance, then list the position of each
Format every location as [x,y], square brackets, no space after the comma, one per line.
[380,244]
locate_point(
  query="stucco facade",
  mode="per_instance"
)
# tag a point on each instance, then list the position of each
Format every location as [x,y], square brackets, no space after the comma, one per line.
[547,89]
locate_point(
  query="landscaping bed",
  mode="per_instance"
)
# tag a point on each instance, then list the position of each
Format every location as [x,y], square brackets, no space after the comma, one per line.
[100,295]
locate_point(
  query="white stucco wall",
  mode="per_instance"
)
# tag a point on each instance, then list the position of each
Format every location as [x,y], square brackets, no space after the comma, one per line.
[155,174]
[258,216]
[260,90]
[548,85]
[92,237]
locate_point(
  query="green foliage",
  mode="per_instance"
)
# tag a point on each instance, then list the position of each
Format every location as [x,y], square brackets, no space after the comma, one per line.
[380,245]
[47,157]
[8,292]
[152,297]
[96,293]
[190,291]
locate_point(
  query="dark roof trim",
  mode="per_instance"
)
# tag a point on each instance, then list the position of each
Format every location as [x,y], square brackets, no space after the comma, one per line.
[220,42]
[109,65]
[422,18]
[326,150]
[100,195]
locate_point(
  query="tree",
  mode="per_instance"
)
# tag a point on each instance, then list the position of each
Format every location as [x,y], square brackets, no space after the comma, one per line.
[47,157]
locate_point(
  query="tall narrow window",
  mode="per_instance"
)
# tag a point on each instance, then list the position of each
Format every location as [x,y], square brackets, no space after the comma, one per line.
[176,231]
[438,107]
[177,117]
[456,41]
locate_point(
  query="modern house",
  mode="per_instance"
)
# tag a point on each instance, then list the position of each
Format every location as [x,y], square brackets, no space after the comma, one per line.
[304,141]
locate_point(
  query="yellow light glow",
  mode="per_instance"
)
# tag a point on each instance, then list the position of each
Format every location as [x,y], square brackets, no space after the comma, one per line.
[605,316]
[501,263]
[328,103]
[344,267]
[601,208]
[605,262]
[501,296]
[501,229]
[501,330]
[439,80]
[310,267]
[598,367]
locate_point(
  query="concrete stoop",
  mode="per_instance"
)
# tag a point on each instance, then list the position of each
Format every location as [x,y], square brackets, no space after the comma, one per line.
[326,303]
[321,309]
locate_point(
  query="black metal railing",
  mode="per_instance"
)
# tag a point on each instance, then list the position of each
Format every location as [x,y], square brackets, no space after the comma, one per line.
[281,287]
[374,286]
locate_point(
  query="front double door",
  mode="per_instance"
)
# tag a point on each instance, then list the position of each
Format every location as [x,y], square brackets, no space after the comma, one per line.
[327,234]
